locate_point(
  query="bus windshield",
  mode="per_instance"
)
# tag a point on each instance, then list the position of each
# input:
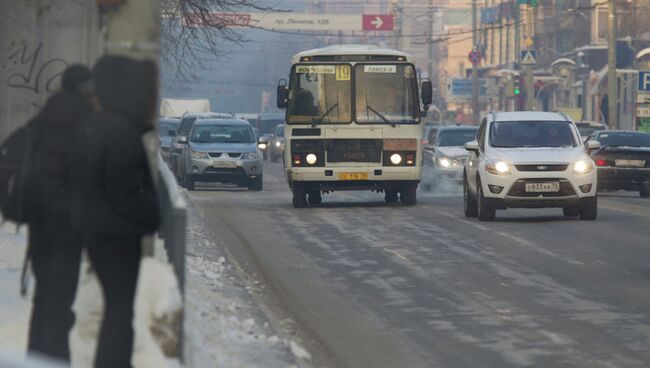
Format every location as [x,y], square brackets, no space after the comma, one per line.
[320,94]
[386,94]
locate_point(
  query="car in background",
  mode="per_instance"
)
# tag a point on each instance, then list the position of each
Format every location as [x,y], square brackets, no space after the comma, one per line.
[429,133]
[587,128]
[623,161]
[166,132]
[445,158]
[277,144]
[224,151]
[180,139]
[529,160]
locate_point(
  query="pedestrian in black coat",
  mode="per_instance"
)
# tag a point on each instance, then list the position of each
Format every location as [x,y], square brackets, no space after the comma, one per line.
[54,246]
[115,203]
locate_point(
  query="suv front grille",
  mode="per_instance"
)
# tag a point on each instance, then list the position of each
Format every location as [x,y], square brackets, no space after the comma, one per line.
[229,154]
[518,189]
[542,167]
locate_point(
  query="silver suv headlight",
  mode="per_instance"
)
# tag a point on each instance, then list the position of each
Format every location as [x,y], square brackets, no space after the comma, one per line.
[250,156]
[200,155]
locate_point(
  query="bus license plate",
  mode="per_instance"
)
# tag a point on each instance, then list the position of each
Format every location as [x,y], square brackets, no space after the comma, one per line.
[353,176]
[543,187]
[630,163]
[225,164]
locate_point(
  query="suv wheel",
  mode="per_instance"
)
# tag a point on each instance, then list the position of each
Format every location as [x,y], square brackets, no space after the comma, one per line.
[485,212]
[299,195]
[391,196]
[644,191]
[408,195]
[257,184]
[314,198]
[589,212]
[469,202]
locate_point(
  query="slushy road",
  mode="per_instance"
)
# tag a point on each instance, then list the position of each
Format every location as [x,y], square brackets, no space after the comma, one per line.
[377,285]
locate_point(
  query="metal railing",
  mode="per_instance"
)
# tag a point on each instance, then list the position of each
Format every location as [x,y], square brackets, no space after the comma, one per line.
[174,221]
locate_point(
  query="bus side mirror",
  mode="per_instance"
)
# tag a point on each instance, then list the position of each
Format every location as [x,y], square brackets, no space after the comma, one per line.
[427,93]
[282,94]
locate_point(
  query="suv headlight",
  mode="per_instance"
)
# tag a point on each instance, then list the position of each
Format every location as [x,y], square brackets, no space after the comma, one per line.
[250,156]
[582,167]
[497,168]
[200,155]
[446,162]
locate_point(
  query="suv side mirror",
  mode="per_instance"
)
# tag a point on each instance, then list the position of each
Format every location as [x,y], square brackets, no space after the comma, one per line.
[182,139]
[592,145]
[427,93]
[282,94]
[472,146]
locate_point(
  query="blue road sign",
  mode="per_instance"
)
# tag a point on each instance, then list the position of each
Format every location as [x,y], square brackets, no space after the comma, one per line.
[463,86]
[644,81]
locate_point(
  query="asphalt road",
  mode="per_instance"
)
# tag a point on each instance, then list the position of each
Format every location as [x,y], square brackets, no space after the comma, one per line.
[376,285]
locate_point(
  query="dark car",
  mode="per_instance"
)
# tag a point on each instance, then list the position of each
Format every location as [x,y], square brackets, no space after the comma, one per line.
[277,144]
[623,161]
[588,128]
[167,131]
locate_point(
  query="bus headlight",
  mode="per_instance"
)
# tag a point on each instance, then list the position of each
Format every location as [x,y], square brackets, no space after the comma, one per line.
[311,159]
[396,158]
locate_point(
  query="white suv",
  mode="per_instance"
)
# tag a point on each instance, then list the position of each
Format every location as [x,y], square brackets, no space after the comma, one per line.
[529,160]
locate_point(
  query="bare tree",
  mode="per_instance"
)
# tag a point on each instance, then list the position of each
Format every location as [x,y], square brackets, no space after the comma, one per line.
[194,33]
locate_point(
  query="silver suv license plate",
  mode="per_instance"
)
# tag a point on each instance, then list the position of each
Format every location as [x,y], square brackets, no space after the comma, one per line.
[225,164]
[543,187]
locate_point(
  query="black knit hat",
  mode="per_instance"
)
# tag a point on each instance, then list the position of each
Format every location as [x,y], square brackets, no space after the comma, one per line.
[76,78]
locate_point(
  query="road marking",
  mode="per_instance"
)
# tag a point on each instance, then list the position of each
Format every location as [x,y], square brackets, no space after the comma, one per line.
[394,252]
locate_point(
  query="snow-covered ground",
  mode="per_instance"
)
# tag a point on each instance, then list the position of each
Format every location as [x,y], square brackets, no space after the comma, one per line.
[157,304]
[224,327]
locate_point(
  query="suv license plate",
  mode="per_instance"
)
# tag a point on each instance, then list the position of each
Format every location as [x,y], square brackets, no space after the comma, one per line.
[543,187]
[353,176]
[630,163]
[225,164]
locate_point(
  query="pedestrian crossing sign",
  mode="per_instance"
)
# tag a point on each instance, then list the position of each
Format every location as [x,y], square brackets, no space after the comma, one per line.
[528,57]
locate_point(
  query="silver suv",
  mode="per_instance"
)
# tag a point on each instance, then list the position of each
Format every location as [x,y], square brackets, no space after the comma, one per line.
[224,151]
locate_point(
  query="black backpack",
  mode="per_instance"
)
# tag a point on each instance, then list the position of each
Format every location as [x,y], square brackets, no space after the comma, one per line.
[17,162]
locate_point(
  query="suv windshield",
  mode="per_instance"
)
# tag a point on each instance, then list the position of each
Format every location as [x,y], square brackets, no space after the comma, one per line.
[222,133]
[513,134]
[386,94]
[186,124]
[455,137]
[320,94]
[629,139]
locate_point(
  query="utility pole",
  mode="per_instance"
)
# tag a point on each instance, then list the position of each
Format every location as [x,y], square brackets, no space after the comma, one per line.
[530,79]
[476,107]
[500,32]
[430,40]
[612,78]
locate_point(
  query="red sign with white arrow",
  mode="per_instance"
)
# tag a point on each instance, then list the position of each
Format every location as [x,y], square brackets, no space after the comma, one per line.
[378,22]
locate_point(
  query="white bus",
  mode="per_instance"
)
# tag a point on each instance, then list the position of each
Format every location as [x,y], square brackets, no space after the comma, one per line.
[353,122]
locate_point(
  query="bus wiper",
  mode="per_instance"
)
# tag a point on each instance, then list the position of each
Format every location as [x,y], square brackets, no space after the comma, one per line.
[319,120]
[382,117]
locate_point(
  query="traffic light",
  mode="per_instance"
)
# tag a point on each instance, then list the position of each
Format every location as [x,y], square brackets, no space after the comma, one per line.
[517,86]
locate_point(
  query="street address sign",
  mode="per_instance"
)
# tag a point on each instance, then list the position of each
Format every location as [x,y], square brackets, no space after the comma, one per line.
[644,81]
[378,22]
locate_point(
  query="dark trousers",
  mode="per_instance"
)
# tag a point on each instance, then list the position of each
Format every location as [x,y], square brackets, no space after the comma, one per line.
[55,252]
[116,261]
